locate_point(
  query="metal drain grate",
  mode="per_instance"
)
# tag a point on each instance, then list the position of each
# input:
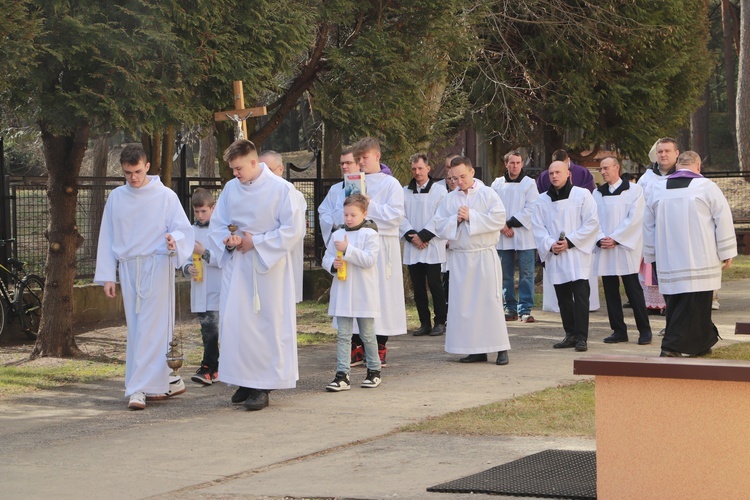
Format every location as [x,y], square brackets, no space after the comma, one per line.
[551,474]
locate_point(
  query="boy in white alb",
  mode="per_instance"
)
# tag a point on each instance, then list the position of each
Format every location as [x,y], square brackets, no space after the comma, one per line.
[145,235]
[205,287]
[258,330]
[355,290]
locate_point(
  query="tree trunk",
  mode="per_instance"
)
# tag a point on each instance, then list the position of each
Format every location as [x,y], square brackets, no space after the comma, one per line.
[728,23]
[699,128]
[207,153]
[743,90]
[96,194]
[64,155]
[167,153]
[224,138]
[331,151]
[553,140]
[152,144]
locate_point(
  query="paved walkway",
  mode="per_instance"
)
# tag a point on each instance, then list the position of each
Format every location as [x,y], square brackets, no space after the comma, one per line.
[81,442]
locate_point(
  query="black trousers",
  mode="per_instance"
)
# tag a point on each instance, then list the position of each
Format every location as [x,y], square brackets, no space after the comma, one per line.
[422,276]
[690,329]
[446,281]
[573,299]
[634,292]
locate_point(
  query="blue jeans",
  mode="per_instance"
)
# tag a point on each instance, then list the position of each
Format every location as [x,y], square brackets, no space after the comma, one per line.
[526,262]
[344,343]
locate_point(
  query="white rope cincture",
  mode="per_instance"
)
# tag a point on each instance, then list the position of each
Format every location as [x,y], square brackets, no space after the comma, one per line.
[138,292]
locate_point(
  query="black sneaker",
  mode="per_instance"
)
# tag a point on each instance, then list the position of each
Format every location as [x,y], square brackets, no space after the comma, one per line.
[340,383]
[256,400]
[240,395]
[204,376]
[372,380]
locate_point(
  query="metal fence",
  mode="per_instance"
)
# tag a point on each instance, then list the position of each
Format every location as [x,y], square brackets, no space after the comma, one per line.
[26,213]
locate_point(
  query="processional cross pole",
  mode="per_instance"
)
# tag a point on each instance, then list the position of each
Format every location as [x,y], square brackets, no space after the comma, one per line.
[239,114]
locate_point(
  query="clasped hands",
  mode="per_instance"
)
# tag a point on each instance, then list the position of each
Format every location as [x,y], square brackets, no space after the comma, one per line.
[241,243]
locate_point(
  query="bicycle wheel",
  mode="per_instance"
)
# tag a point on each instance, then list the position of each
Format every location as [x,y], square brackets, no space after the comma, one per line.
[29,304]
[2,317]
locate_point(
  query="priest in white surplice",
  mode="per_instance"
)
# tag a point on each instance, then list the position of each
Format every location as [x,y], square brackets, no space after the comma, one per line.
[565,226]
[386,209]
[258,333]
[471,218]
[665,153]
[689,233]
[620,205]
[145,235]
[275,162]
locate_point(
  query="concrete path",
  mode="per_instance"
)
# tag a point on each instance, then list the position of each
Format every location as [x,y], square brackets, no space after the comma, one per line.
[81,442]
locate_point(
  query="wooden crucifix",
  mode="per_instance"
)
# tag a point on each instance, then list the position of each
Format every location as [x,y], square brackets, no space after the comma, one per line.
[239,114]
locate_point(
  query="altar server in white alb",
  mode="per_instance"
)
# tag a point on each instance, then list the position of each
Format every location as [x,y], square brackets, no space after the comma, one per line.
[689,233]
[386,209]
[471,218]
[331,209]
[258,333]
[145,235]
[351,257]
[620,205]
[565,229]
[516,244]
[275,162]
[424,254]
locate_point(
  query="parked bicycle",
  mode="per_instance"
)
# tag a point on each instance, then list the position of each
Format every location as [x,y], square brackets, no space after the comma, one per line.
[20,296]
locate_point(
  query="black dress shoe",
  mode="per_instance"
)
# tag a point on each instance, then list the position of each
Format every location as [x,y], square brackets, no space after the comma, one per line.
[581,346]
[644,339]
[614,339]
[662,332]
[502,358]
[627,305]
[474,358]
[438,330]
[257,400]
[665,353]
[566,343]
[423,330]
[240,395]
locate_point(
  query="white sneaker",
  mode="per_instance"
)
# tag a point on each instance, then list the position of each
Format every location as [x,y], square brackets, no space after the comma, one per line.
[176,387]
[137,401]
[715,305]
[372,380]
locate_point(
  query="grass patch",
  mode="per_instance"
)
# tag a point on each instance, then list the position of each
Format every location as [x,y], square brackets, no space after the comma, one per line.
[54,373]
[560,411]
[563,411]
[739,270]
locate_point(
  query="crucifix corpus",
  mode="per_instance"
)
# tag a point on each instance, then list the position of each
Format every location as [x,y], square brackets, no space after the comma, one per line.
[239,114]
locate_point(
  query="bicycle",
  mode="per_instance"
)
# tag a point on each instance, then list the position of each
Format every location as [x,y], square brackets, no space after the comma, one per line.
[20,296]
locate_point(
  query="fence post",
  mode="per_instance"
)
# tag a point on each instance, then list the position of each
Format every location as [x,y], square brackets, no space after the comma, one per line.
[318,196]
[5,229]
[183,186]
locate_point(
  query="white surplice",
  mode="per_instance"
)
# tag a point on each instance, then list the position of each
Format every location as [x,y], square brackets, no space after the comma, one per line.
[476,321]
[205,295]
[576,217]
[258,332]
[519,199]
[298,252]
[386,209]
[620,218]
[132,240]
[356,296]
[331,211]
[420,210]
[688,232]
